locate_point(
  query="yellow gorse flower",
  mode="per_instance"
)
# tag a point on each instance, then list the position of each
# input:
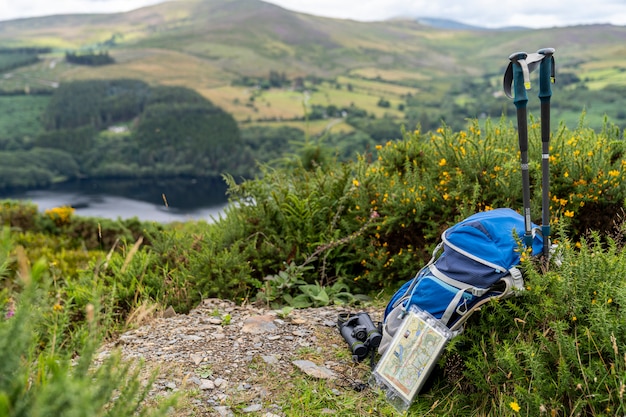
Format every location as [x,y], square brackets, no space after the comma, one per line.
[515,406]
[60,215]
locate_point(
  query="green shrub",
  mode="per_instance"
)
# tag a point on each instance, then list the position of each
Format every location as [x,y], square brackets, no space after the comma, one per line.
[39,375]
[376,222]
[195,261]
[18,214]
[98,233]
[301,216]
[588,178]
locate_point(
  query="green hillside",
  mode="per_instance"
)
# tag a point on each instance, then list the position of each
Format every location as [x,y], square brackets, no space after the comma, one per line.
[426,74]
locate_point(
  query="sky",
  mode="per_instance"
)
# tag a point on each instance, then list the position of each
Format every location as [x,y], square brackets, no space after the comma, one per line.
[485,13]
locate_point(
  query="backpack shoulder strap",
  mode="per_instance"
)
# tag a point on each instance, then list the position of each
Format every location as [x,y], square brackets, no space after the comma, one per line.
[409,291]
[513,282]
[478,292]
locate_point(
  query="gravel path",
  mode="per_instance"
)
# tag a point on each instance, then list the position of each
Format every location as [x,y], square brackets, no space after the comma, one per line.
[236,360]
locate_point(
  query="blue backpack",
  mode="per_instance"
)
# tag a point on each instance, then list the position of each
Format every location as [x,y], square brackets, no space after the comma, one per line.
[478,262]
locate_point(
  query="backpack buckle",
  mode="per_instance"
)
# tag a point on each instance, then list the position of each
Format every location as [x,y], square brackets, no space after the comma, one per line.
[462,308]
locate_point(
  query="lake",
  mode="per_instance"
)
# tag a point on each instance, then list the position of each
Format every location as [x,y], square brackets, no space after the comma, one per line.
[162,201]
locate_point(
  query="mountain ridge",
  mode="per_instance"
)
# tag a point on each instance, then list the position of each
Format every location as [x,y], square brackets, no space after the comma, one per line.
[268,31]
[209,45]
[451,24]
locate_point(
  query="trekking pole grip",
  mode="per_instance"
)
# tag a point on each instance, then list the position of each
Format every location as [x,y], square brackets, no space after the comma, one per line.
[546,78]
[521,78]
[546,73]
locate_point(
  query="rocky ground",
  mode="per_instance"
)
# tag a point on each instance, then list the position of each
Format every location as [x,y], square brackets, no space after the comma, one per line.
[227,360]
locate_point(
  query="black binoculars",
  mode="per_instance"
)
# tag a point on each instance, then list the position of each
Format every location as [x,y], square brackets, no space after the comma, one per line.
[360,333]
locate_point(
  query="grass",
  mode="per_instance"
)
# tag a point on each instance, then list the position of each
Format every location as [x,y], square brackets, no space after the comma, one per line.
[377,87]
[367,101]
[343,396]
[154,66]
[285,104]
[315,127]
[598,77]
[44,74]
[317,398]
[390,75]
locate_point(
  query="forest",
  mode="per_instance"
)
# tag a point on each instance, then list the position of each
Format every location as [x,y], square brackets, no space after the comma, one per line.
[161,132]
[89,58]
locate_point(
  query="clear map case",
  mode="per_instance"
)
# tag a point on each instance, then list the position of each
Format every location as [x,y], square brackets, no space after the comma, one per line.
[410,358]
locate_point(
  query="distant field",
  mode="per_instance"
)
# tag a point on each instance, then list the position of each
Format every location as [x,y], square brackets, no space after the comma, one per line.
[155,66]
[285,104]
[159,66]
[44,74]
[390,75]
[271,107]
[361,99]
[269,104]
[599,75]
[313,128]
[372,87]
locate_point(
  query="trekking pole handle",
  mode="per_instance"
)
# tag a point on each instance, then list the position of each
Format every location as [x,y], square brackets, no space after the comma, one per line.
[521,78]
[546,73]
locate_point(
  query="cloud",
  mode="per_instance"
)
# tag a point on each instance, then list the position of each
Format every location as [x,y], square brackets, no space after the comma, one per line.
[14,9]
[488,13]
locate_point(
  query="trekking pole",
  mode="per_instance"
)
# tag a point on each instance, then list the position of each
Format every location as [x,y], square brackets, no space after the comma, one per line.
[521,83]
[546,78]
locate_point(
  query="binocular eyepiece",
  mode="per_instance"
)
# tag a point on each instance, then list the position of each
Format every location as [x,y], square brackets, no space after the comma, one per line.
[360,334]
